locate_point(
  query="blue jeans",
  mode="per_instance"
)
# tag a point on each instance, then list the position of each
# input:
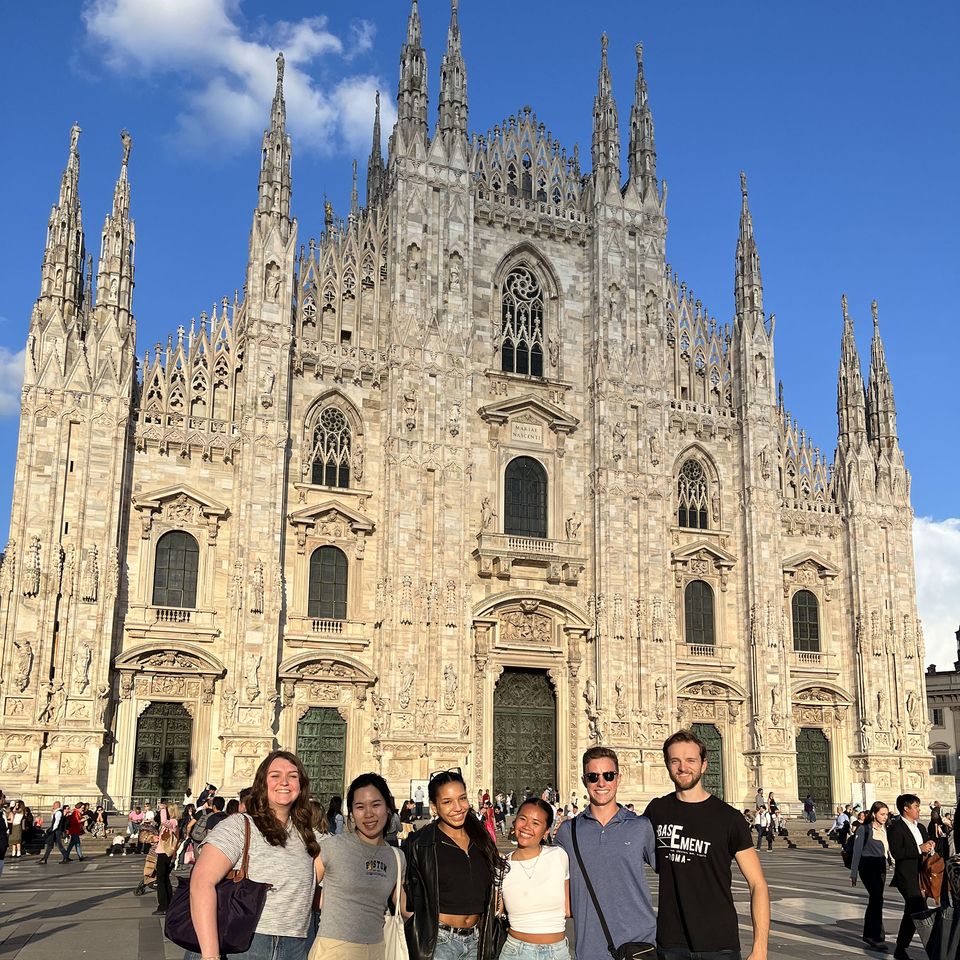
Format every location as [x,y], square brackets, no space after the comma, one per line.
[456,946]
[265,946]
[682,953]
[74,842]
[514,949]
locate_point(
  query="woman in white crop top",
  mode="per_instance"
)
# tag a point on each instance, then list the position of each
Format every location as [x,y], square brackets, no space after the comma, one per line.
[536,889]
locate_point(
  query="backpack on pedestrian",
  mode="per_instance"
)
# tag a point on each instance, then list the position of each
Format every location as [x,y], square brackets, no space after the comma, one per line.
[846,851]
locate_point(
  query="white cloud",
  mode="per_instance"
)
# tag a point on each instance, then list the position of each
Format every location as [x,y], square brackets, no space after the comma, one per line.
[11,380]
[936,547]
[226,68]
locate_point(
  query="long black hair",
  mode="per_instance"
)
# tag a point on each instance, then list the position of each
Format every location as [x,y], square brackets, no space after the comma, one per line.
[543,806]
[380,785]
[476,832]
[334,807]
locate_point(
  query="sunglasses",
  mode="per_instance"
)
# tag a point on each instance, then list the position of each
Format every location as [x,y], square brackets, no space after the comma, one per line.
[608,775]
[453,771]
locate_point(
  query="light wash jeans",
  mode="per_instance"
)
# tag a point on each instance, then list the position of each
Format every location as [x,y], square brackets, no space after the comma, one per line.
[456,946]
[265,946]
[514,949]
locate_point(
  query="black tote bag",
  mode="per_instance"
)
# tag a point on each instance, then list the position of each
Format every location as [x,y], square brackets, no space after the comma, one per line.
[239,905]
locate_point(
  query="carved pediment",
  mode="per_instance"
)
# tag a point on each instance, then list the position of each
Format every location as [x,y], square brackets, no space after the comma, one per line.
[147,658]
[702,558]
[181,497]
[332,512]
[559,421]
[339,669]
[808,569]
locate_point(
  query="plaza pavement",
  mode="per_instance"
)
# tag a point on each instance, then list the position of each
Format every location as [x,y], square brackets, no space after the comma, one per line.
[56,912]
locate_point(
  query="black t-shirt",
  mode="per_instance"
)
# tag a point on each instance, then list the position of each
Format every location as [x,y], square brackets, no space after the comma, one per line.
[696,843]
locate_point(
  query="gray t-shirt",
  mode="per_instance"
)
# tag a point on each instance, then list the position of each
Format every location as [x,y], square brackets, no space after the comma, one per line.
[290,869]
[358,879]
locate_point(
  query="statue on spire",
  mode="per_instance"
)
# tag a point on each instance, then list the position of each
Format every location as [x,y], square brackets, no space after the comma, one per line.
[75,132]
[127,141]
[280,65]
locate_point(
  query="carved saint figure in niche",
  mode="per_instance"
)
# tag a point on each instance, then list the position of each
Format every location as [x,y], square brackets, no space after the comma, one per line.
[775,712]
[81,666]
[619,440]
[413,262]
[864,734]
[450,683]
[913,709]
[31,569]
[453,420]
[715,504]
[467,717]
[660,689]
[229,707]
[271,286]
[553,351]
[453,273]
[410,410]
[621,706]
[590,695]
[881,709]
[406,686]
[573,525]
[487,514]
[251,669]
[22,663]
[655,450]
[89,577]
[757,732]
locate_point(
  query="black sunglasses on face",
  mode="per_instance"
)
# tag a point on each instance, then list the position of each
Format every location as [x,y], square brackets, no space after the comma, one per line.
[608,775]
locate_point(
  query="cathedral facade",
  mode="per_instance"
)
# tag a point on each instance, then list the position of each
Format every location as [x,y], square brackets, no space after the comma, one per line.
[471,479]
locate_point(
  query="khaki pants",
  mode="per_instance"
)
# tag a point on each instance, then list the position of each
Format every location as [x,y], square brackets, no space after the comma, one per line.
[326,949]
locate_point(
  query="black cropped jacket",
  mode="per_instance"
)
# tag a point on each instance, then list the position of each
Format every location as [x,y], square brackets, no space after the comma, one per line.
[423,899]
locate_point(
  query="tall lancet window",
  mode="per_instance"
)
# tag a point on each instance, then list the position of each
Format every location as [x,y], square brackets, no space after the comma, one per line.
[521,332]
[331,449]
[692,496]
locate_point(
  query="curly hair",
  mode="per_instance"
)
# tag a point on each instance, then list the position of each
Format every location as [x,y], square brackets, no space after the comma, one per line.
[301,812]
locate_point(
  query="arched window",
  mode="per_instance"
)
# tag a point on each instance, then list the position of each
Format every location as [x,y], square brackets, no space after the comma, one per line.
[327,595]
[331,449]
[692,496]
[525,498]
[175,571]
[806,622]
[521,332]
[698,613]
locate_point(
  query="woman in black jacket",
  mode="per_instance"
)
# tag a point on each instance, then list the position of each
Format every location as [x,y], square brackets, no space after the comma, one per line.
[452,872]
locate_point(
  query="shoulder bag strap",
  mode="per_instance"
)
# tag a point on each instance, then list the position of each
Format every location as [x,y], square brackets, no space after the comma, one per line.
[593,893]
[241,874]
[396,889]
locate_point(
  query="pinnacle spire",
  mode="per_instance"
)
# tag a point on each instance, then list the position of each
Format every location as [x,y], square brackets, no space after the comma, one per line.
[748,285]
[354,200]
[453,82]
[275,183]
[117,242]
[642,158]
[606,127]
[375,169]
[412,91]
[881,409]
[63,256]
[851,405]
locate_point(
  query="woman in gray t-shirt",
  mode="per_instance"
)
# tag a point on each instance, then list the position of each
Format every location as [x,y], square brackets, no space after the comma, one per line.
[283,848]
[358,870]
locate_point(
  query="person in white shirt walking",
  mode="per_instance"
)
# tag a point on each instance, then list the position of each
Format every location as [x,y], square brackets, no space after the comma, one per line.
[763,824]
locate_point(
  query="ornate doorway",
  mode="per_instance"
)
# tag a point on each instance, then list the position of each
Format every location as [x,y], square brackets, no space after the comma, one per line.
[322,748]
[813,767]
[713,778]
[161,766]
[524,732]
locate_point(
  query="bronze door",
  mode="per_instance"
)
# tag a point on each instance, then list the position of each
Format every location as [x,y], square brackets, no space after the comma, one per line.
[713,779]
[813,767]
[322,749]
[161,766]
[524,733]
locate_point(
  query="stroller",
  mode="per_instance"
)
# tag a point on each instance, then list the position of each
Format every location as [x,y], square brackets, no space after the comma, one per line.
[148,839]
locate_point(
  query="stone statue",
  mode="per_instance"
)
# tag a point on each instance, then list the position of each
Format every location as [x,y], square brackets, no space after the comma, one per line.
[82,658]
[410,409]
[256,588]
[103,700]
[487,514]
[655,450]
[89,577]
[450,683]
[379,715]
[406,685]
[573,525]
[913,709]
[621,706]
[229,702]
[553,351]
[23,663]
[660,689]
[865,734]
[465,726]
[757,732]
[251,669]
[31,569]
[881,709]
[776,716]
[590,695]
[619,440]
[127,142]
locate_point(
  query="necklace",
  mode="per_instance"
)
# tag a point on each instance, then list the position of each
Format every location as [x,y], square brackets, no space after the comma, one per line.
[523,864]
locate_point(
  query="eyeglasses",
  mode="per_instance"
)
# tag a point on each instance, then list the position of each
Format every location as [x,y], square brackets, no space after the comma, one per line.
[593,777]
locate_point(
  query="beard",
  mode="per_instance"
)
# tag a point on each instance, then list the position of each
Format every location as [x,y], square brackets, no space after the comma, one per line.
[686,786]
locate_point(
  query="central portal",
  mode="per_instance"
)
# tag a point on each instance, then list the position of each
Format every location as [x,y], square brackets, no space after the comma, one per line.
[524,733]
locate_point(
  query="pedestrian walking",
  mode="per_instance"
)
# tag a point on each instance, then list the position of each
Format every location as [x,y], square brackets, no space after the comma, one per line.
[763,825]
[908,842]
[758,801]
[15,825]
[536,889]
[283,848]
[76,824]
[359,872]
[489,821]
[809,810]
[335,820]
[418,800]
[871,854]
[165,849]
[53,834]
[452,871]
[698,838]
[612,846]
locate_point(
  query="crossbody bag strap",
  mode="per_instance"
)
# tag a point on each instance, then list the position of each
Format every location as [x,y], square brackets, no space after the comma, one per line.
[241,874]
[396,889]
[592,892]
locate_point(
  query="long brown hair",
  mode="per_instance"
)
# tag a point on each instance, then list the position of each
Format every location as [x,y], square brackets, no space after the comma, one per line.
[301,812]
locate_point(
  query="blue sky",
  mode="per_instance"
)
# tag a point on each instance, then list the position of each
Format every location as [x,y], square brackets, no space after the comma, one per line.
[844,117]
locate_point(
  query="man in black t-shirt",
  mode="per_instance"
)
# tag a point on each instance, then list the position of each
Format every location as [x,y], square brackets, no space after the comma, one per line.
[698,836]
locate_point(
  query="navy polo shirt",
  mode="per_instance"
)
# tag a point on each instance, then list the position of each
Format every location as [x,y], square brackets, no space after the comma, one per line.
[614,854]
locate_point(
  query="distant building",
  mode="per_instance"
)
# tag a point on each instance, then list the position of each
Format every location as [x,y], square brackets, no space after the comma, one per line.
[943,706]
[470,479]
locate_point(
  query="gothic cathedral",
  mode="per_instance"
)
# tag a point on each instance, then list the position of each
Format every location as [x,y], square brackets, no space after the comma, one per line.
[471,479]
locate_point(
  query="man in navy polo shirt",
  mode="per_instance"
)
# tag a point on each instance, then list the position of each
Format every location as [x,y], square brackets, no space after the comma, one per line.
[614,844]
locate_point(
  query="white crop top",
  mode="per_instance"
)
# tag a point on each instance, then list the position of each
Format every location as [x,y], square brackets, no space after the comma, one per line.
[534,892]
